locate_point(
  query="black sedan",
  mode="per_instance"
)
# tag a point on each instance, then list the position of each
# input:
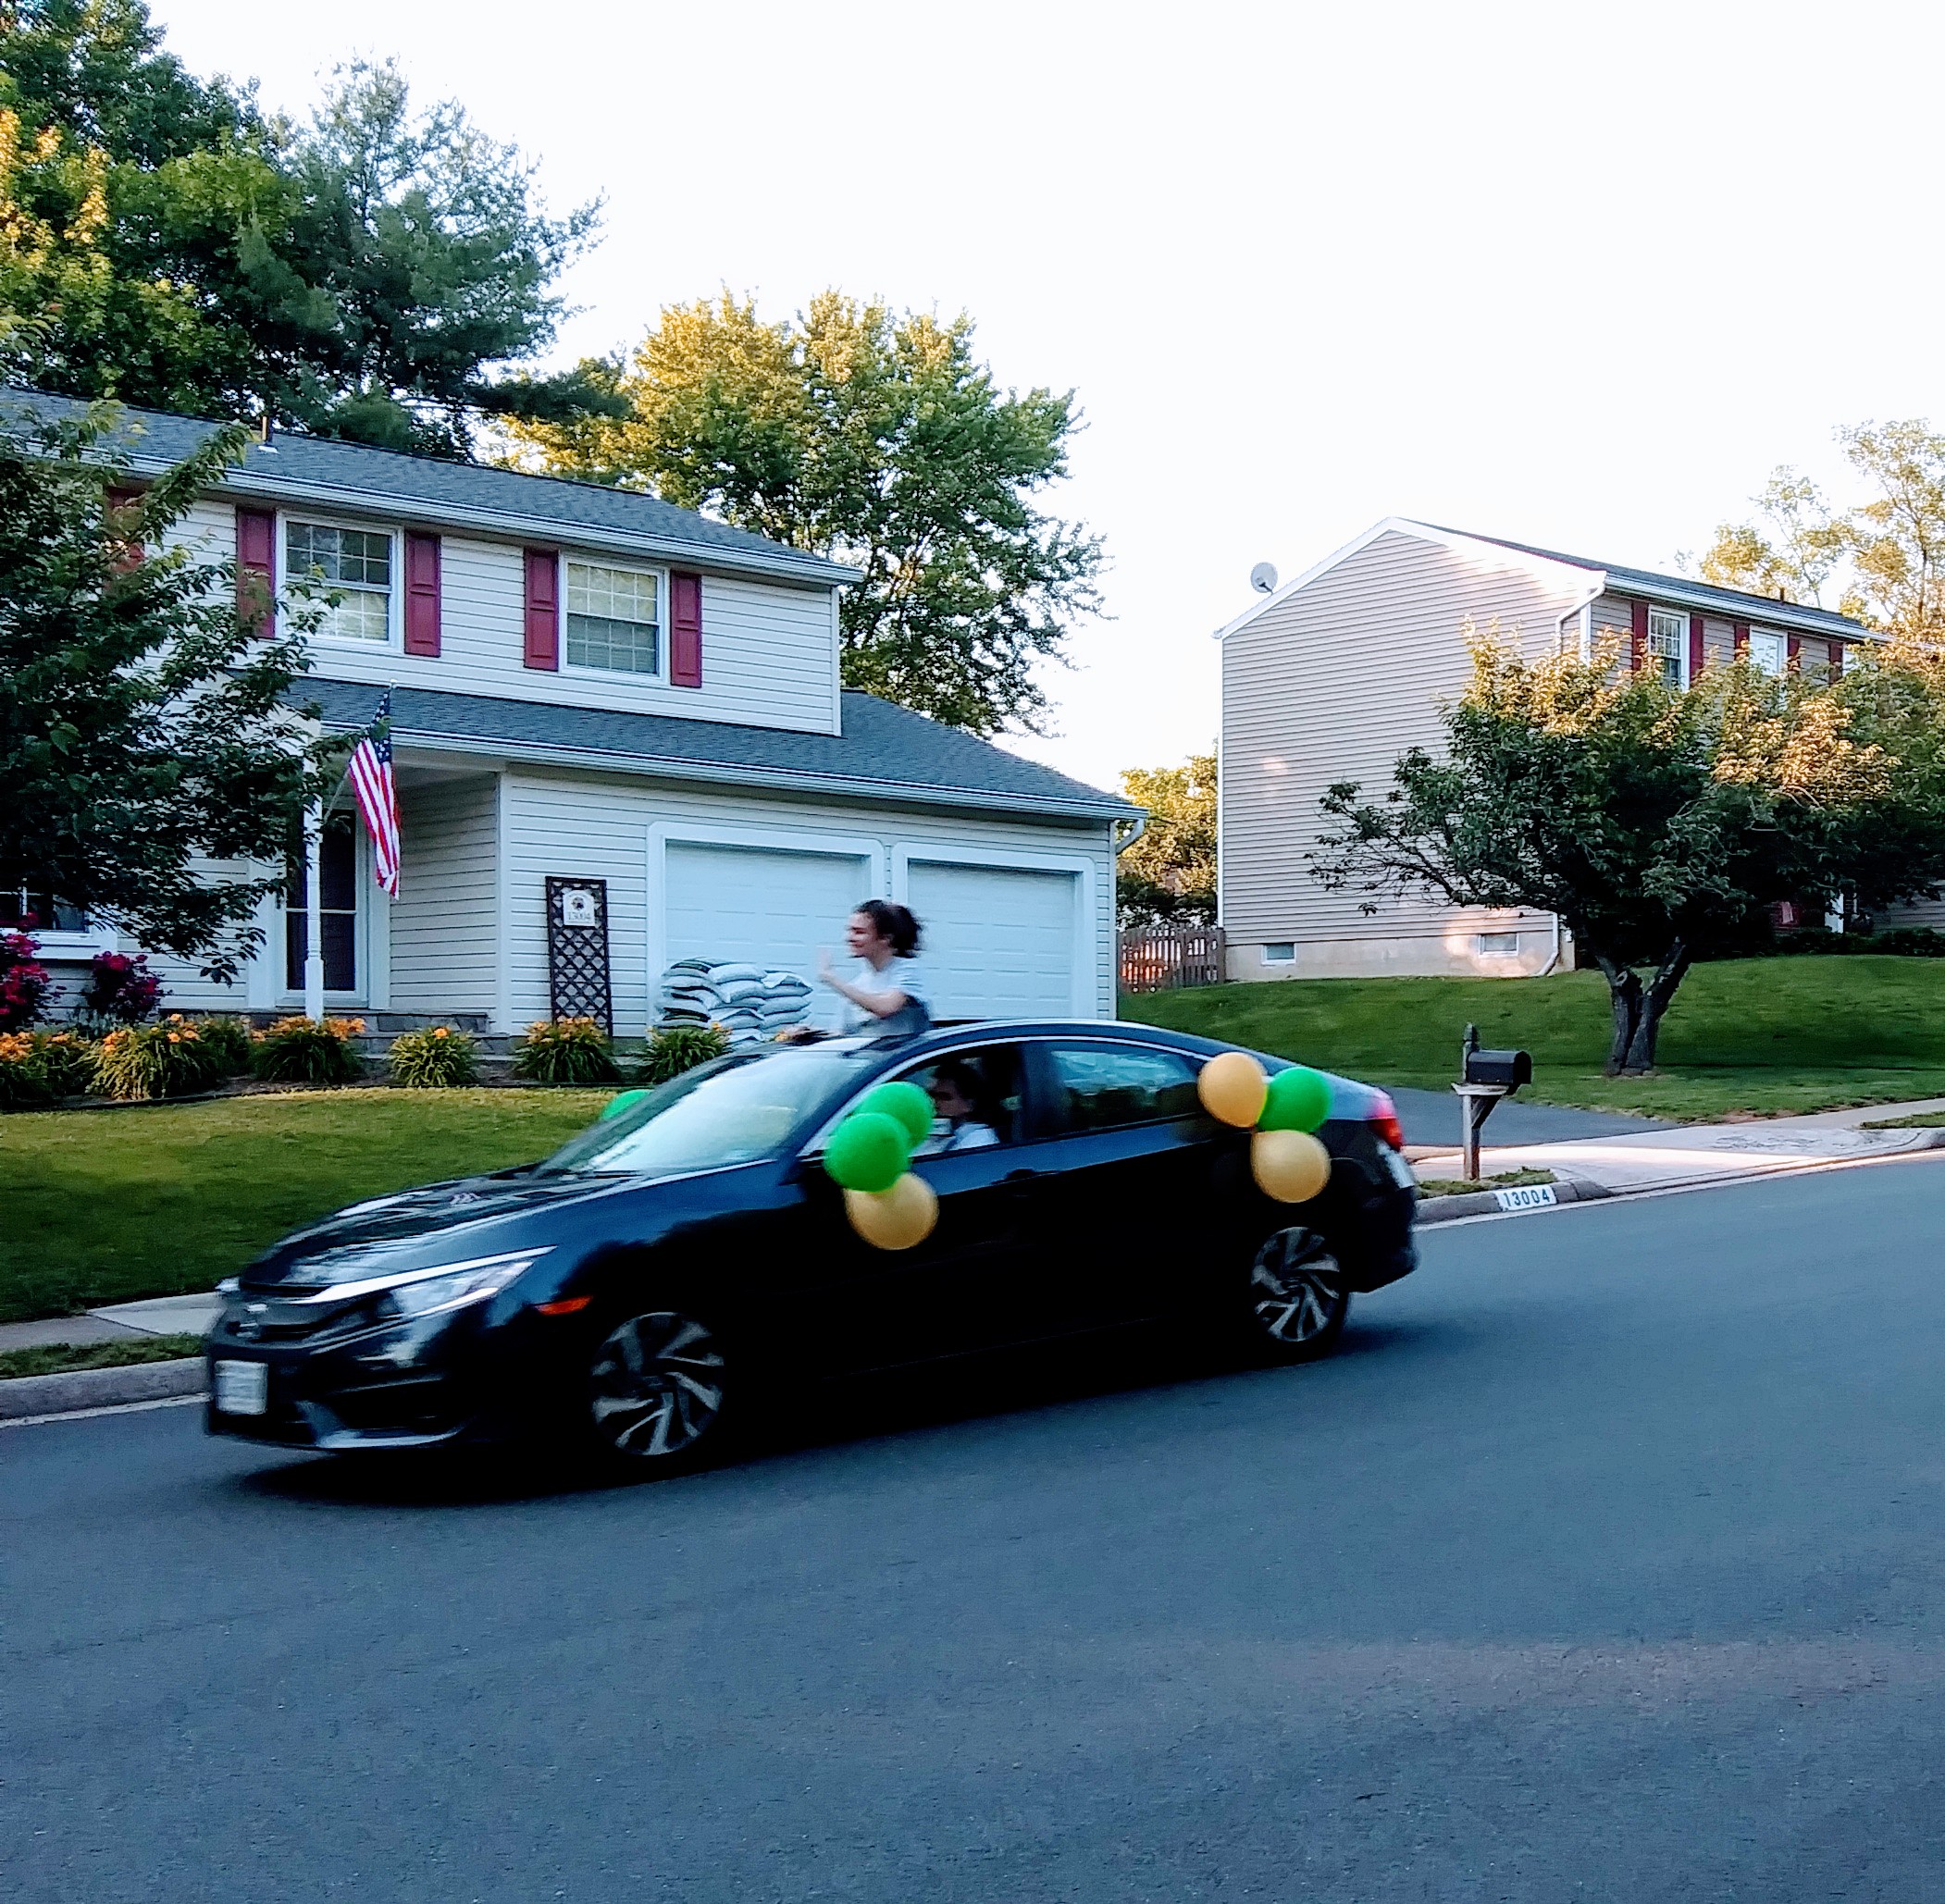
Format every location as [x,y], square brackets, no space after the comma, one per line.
[688,1258]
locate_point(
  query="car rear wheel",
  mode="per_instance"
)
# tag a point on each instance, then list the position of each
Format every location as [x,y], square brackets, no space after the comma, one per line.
[656,1389]
[1298,1296]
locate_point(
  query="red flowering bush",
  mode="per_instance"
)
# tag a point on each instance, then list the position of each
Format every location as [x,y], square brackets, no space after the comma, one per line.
[121,990]
[23,982]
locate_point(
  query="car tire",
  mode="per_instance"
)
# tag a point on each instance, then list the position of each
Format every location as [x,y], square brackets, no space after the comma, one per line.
[659,1383]
[1298,1297]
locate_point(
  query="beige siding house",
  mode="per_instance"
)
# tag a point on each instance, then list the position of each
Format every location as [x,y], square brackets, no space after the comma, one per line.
[1334,674]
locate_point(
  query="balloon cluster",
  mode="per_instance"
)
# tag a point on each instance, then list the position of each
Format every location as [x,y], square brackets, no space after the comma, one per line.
[1286,1160]
[868,1157]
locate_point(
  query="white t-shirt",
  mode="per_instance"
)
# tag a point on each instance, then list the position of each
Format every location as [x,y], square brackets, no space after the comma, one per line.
[900,975]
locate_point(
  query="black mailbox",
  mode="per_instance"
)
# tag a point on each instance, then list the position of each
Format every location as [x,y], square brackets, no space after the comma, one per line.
[1509,1068]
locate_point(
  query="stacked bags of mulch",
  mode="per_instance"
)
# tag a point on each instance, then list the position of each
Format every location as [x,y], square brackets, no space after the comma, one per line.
[748,1002]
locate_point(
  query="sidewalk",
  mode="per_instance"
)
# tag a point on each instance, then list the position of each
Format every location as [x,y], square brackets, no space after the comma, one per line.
[121,1322]
[1681,1158]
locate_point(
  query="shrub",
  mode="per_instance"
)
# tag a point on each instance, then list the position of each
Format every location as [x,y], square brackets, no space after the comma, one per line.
[69,1060]
[566,1051]
[309,1051]
[229,1043]
[1900,941]
[436,1058]
[121,990]
[23,982]
[678,1048]
[167,1059]
[23,1073]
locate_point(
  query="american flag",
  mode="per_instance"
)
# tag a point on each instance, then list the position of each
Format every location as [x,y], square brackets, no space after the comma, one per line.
[378,795]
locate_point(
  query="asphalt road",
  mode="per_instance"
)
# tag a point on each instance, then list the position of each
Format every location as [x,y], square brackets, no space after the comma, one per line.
[1432,1117]
[1605,1562]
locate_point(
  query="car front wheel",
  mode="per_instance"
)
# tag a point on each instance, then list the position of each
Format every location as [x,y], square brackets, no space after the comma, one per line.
[1298,1296]
[656,1389]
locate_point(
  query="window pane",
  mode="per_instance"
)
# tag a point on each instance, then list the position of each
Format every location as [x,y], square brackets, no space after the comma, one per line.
[613,618]
[976,1098]
[356,562]
[1104,1085]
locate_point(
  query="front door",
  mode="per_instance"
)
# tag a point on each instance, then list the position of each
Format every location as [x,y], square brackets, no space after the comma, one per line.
[337,908]
[963,1288]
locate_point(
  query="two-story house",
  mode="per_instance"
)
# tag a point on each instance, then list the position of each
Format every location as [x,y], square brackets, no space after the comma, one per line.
[618,721]
[1333,675]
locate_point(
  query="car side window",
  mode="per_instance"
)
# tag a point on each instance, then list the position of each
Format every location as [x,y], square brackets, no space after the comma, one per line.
[1099,1087]
[976,1098]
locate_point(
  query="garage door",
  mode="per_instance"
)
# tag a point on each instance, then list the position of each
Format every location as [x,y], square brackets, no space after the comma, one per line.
[999,940]
[764,906]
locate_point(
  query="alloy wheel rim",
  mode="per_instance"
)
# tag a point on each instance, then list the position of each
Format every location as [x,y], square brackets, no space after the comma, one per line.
[658,1385]
[1296,1287]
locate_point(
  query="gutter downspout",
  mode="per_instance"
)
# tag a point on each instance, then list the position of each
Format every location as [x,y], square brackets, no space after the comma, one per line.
[1595,589]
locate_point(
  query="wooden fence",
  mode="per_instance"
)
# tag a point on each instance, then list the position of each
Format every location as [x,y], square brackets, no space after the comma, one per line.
[1166,958]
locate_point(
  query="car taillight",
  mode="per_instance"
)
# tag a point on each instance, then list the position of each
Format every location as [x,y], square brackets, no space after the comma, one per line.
[1383,1119]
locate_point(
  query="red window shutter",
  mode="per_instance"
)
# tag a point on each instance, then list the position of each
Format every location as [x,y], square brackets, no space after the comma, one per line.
[1836,659]
[1638,646]
[1795,648]
[131,552]
[422,594]
[1741,640]
[543,608]
[256,567]
[685,630]
[1697,653]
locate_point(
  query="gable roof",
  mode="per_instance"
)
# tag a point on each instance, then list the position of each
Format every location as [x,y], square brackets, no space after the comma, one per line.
[350,477]
[1586,580]
[883,752]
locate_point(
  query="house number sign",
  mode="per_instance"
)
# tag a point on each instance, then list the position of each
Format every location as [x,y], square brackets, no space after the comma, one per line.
[578,951]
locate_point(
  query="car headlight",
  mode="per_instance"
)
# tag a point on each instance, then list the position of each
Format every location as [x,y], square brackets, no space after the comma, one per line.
[413,1293]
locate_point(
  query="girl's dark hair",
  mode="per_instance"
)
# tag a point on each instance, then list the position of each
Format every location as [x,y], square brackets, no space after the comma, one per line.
[894,923]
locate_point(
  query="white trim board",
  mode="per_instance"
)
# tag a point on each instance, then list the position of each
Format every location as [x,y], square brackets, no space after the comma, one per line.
[1084,995]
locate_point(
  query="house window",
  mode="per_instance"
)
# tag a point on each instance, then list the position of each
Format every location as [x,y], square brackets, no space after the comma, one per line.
[27,911]
[1668,645]
[1498,944]
[1768,651]
[1280,952]
[614,619]
[354,565]
[336,910]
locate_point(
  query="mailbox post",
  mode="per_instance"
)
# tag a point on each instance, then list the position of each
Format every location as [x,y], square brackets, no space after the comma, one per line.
[1485,1078]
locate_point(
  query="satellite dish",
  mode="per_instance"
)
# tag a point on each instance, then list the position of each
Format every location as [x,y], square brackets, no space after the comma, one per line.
[1262,578]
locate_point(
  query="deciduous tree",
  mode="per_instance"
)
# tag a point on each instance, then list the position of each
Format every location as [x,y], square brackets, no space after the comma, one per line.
[877,439]
[144,729]
[1658,823]
[1168,876]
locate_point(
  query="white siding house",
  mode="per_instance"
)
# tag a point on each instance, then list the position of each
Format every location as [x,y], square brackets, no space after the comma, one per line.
[1336,674]
[591,685]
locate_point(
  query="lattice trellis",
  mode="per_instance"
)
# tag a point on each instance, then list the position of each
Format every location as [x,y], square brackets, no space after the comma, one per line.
[578,951]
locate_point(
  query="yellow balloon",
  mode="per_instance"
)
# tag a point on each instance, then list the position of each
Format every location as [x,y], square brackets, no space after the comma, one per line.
[1232,1087]
[893,1219]
[1291,1165]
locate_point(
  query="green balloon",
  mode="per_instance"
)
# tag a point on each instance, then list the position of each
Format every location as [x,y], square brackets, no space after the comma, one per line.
[621,1100]
[906,1104]
[1299,1099]
[868,1150]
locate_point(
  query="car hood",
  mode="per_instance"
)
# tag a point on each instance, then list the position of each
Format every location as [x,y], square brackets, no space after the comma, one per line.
[419,1226]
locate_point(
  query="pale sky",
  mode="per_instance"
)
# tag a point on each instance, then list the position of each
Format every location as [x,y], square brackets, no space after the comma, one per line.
[1575,276]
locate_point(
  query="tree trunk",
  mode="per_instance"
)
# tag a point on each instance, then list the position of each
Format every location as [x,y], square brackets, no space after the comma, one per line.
[1624,993]
[1653,1005]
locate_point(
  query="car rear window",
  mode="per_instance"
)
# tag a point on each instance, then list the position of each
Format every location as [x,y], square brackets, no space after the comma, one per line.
[731,1112]
[1100,1086]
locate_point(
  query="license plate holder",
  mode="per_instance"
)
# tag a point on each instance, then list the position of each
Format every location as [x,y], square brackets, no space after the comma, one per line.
[241,1387]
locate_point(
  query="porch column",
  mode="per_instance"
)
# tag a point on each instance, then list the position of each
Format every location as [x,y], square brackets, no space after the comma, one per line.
[313,917]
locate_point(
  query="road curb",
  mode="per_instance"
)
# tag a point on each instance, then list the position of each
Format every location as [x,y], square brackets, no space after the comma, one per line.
[1486,1203]
[101,1388]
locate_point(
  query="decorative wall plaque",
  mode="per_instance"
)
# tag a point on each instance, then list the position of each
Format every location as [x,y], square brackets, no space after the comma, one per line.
[578,951]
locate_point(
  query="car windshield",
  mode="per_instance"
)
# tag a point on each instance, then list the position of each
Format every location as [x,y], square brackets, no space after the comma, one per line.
[734,1111]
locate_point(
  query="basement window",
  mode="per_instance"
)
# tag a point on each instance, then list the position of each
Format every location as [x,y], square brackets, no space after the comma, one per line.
[1498,944]
[1280,952]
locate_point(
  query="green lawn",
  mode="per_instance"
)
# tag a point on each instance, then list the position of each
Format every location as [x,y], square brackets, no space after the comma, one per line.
[157,1200]
[1754,1034]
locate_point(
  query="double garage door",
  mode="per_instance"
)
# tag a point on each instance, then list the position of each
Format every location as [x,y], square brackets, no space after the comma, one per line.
[999,940]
